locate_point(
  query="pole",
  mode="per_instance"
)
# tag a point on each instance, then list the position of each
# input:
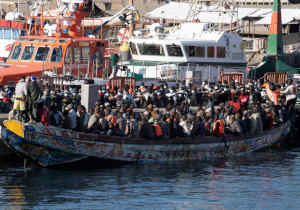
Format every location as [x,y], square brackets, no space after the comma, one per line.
[131,25]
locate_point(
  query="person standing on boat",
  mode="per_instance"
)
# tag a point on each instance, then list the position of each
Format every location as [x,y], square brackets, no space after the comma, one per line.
[114,59]
[19,99]
[34,94]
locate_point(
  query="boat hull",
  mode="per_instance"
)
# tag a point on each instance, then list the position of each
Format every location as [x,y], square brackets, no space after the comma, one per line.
[41,155]
[146,150]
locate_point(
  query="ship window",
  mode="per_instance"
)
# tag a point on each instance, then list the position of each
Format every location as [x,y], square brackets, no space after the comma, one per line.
[211,52]
[42,53]
[221,52]
[195,51]
[151,49]
[1,33]
[27,53]
[56,54]
[7,33]
[62,41]
[16,52]
[85,52]
[16,34]
[174,50]
[133,48]
[68,58]
[77,54]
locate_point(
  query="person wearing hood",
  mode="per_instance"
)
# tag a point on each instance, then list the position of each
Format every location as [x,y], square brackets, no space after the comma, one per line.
[34,94]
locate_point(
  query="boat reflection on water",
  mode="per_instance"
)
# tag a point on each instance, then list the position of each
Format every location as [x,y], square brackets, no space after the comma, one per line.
[184,185]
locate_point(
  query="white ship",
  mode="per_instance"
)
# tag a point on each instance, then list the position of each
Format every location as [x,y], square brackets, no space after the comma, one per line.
[190,51]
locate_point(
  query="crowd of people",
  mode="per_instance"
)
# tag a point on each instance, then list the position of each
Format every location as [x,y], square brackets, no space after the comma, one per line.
[160,111]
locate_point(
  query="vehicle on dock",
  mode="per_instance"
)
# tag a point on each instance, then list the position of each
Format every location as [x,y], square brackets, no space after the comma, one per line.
[49,146]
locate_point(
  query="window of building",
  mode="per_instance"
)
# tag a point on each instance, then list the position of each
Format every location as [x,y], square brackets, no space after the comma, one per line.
[133,48]
[56,54]
[210,52]
[221,52]
[248,44]
[151,49]
[16,52]
[174,50]
[27,53]
[42,53]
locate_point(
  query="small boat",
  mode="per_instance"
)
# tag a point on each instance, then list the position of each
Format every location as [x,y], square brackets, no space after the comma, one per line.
[55,146]
[12,132]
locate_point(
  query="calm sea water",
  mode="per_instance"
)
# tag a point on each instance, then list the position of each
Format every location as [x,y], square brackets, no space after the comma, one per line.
[269,180]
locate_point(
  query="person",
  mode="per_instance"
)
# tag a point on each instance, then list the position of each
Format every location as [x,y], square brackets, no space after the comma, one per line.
[83,118]
[114,58]
[291,96]
[71,117]
[19,99]
[34,94]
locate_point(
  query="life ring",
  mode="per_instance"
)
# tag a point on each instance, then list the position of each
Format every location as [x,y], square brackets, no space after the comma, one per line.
[123,35]
[8,47]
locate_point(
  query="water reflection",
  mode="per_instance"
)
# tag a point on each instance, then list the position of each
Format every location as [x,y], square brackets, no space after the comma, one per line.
[255,182]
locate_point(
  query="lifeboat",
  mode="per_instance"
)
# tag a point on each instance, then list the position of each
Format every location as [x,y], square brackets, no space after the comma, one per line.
[58,45]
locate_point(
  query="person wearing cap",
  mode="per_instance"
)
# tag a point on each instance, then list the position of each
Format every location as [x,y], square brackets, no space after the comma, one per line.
[19,99]
[34,94]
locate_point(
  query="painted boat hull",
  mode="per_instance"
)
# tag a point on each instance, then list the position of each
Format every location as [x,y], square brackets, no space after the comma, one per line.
[41,155]
[54,146]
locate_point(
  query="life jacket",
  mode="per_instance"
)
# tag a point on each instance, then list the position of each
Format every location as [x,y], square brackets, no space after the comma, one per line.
[220,130]
[157,130]
[235,105]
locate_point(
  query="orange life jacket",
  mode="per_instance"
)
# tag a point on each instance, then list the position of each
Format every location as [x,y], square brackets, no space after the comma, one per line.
[158,130]
[221,127]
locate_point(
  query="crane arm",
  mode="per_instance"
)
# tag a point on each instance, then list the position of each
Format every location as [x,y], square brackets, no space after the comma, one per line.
[118,14]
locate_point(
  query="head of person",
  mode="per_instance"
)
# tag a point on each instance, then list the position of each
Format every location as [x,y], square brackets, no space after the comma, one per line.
[33,78]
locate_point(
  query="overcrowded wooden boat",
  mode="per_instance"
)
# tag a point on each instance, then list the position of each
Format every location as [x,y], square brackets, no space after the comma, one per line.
[49,146]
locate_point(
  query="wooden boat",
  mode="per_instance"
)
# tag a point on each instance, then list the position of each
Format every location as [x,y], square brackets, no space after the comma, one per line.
[59,146]
[12,132]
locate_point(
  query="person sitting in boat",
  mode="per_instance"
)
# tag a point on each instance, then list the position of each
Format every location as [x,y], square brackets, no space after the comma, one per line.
[19,99]
[290,94]
[93,125]
[236,127]
[83,118]
[256,122]
[71,117]
[55,116]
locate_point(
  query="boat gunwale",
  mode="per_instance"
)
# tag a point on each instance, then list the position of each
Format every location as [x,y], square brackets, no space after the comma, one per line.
[85,137]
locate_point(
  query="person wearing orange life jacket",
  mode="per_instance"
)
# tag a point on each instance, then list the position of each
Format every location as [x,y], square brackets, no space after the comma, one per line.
[218,128]
[157,129]
[272,92]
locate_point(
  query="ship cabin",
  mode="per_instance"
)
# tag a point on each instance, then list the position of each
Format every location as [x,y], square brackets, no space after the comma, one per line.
[81,57]
[213,50]
[10,30]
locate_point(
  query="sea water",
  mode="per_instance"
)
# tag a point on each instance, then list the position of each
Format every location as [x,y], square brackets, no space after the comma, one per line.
[265,180]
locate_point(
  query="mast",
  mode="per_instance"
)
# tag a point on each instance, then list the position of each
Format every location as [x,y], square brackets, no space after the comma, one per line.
[275,43]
